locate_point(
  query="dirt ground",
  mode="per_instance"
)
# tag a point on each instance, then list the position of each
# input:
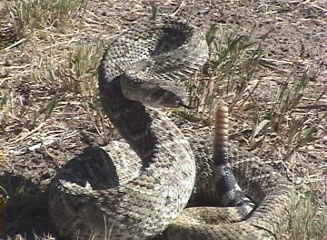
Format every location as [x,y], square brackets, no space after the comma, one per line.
[47,116]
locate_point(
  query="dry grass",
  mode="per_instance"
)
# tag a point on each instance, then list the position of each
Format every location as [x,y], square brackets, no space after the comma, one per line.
[48,97]
[306,222]
[293,116]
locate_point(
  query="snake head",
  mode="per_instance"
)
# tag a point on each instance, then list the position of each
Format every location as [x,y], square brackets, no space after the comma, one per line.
[153,93]
[163,98]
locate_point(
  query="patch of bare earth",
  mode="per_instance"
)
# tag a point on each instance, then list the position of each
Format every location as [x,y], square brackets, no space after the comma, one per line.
[50,111]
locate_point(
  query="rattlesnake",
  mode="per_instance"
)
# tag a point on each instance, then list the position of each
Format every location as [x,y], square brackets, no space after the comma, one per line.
[144,190]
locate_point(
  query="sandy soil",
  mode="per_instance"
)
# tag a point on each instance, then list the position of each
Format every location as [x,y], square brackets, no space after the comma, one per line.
[47,118]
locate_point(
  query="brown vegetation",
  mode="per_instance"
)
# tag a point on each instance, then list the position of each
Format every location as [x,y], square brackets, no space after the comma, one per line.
[268,61]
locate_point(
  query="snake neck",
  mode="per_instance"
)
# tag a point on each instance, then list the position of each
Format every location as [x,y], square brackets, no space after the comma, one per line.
[130,118]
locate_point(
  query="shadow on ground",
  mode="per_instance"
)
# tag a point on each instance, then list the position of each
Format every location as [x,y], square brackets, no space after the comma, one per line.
[25,211]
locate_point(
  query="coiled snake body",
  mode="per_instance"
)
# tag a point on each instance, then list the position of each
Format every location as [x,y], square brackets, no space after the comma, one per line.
[137,193]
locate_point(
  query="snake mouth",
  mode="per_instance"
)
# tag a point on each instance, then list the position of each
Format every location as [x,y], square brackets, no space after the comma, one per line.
[186,106]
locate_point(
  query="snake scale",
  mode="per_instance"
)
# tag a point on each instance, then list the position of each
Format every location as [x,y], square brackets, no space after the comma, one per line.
[139,189]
